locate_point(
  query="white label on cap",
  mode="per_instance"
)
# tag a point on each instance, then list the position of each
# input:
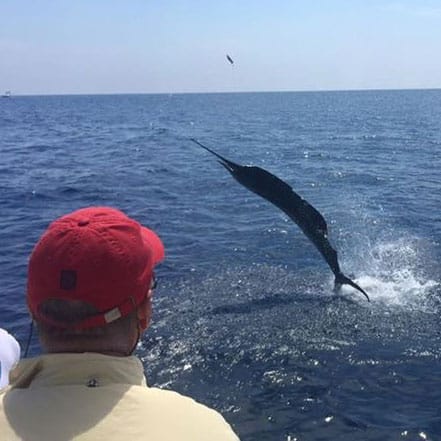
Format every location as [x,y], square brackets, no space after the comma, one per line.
[112,315]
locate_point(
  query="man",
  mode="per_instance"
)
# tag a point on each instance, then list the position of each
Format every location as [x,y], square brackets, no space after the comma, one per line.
[90,287]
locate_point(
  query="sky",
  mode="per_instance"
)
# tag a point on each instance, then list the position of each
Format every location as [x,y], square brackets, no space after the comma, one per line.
[180,46]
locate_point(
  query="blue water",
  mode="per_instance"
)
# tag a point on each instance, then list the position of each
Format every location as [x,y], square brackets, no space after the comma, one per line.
[245,317]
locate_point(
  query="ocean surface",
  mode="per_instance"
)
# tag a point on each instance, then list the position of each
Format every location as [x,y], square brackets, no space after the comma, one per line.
[245,317]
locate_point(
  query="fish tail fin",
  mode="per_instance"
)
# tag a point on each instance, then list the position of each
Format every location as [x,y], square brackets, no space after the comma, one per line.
[341,279]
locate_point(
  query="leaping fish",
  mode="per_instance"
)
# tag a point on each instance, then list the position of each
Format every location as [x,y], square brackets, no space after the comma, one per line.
[279,193]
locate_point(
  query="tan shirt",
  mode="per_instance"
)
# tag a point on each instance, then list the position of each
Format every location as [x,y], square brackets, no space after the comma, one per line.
[60,397]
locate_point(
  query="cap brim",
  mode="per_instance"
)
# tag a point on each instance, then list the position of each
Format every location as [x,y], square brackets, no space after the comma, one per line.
[154,243]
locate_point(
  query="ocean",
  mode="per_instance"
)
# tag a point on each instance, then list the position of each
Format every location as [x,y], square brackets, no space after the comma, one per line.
[245,316]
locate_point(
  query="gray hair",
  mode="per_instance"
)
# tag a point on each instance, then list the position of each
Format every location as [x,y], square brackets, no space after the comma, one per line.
[113,337]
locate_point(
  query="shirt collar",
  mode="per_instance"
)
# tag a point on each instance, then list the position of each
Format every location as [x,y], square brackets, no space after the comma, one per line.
[89,369]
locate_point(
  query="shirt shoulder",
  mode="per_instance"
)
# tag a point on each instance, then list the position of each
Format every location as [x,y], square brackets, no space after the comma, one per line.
[111,412]
[182,413]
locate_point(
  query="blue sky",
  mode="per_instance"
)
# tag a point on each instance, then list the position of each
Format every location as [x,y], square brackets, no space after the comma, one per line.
[171,46]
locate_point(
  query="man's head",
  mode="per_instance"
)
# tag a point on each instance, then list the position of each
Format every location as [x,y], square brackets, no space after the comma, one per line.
[89,275]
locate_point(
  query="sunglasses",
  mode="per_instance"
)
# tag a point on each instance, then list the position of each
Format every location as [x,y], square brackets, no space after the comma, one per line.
[154,282]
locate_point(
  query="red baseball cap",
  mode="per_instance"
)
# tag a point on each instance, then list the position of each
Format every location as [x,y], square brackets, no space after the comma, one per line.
[97,255]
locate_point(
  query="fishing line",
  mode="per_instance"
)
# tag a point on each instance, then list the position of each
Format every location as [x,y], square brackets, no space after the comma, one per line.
[28,343]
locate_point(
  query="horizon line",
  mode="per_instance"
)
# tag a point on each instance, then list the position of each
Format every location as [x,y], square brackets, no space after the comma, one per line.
[227,92]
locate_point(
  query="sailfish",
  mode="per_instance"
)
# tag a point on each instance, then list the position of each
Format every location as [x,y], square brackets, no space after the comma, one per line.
[279,193]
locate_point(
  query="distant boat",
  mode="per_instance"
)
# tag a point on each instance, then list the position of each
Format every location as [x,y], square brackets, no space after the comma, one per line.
[7,94]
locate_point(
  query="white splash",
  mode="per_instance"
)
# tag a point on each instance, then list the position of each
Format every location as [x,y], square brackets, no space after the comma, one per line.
[394,275]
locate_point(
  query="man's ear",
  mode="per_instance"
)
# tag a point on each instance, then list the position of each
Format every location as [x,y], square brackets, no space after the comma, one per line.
[144,311]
